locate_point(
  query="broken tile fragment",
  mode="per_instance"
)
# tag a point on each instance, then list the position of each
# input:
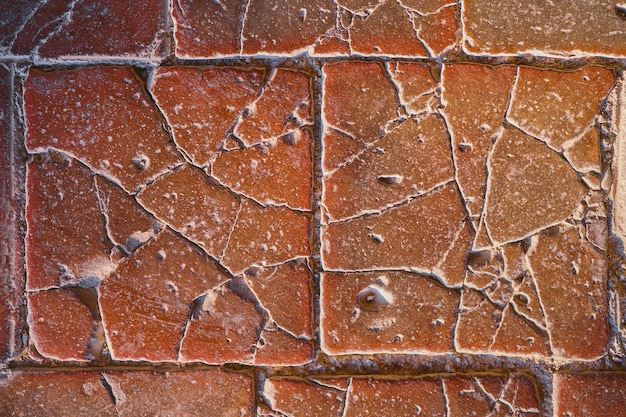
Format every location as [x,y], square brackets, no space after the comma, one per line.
[391,172]
[202,105]
[66,229]
[297,397]
[416,86]
[270,173]
[384,312]
[146,302]
[517,336]
[559,28]
[266,236]
[438,31]
[206,392]
[572,98]
[478,321]
[70,29]
[571,279]
[408,236]
[591,394]
[277,347]
[55,394]
[395,398]
[530,188]
[194,204]
[103,117]
[584,153]
[61,326]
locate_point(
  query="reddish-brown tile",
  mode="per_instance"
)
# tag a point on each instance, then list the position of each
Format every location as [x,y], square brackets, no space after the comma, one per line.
[64,28]
[584,153]
[55,394]
[146,302]
[386,312]
[193,393]
[416,86]
[102,116]
[279,348]
[590,395]
[559,28]
[296,397]
[201,105]
[477,322]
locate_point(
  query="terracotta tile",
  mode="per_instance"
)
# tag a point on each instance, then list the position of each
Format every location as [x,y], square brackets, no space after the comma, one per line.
[593,394]
[391,172]
[266,236]
[373,397]
[558,29]
[451,269]
[571,278]
[477,324]
[61,326]
[12,15]
[284,99]
[438,31]
[205,28]
[275,27]
[425,6]
[104,117]
[542,191]
[416,86]
[404,237]
[517,336]
[279,348]
[207,392]
[55,394]
[573,100]
[63,28]
[194,204]
[296,397]
[522,394]
[271,173]
[284,291]
[224,327]
[146,302]
[62,201]
[584,153]
[377,312]
[201,105]
[475,98]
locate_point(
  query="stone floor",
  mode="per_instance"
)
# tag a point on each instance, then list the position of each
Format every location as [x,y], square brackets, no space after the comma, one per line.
[313,208]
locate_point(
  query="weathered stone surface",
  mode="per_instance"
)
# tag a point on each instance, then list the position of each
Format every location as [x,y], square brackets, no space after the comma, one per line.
[103,117]
[279,348]
[593,394]
[386,312]
[558,28]
[416,86]
[584,153]
[296,397]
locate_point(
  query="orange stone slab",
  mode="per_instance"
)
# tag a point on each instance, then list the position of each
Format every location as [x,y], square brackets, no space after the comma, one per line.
[584,154]
[557,28]
[64,28]
[591,394]
[279,348]
[369,312]
[415,235]
[297,397]
[194,204]
[201,105]
[556,106]
[55,394]
[477,322]
[66,229]
[191,393]
[391,172]
[146,302]
[571,278]
[104,117]
[416,86]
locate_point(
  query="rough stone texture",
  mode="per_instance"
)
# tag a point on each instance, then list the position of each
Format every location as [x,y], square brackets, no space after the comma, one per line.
[595,394]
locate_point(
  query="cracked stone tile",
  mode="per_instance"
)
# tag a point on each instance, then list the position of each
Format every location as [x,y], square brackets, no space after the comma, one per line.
[103,117]
[571,279]
[558,28]
[195,205]
[416,86]
[266,236]
[517,336]
[285,100]
[55,394]
[284,291]
[146,302]
[573,99]
[584,153]
[591,394]
[395,398]
[476,99]
[201,105]
[276,27]
[531,188]
[392,171]
[61,326]
[278,173]
[206,392]
[65,239]
[370,312]
[297,397]
[224,326]
[277,347]
[407,236]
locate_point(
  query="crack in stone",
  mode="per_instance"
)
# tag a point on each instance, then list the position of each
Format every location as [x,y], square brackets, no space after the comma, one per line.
[64,20]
